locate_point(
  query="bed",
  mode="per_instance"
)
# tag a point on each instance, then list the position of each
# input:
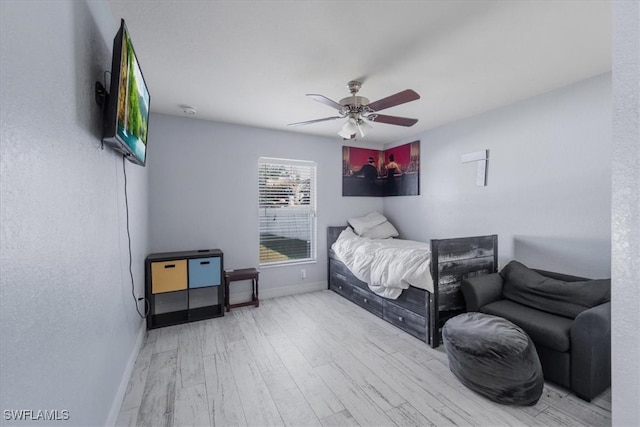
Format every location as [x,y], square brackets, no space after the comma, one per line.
[417,311]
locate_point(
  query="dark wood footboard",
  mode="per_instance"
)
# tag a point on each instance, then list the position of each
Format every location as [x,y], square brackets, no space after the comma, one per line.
[416,311]
[451,261]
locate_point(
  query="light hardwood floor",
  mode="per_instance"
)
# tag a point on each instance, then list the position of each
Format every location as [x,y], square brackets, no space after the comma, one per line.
[317,359]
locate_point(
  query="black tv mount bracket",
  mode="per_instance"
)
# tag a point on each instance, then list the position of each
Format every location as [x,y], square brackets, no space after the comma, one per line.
[102,99]
[101,94]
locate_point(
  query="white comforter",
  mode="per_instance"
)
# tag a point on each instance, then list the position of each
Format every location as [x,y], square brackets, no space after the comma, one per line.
[387,265]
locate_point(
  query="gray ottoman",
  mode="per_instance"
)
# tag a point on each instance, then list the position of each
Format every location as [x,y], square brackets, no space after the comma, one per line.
[492,356]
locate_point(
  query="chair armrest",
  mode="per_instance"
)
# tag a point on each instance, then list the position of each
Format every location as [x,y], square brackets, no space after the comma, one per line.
[591,351]
[481,290]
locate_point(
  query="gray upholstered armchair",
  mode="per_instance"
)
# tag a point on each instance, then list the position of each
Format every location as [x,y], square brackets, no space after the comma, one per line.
[568,318]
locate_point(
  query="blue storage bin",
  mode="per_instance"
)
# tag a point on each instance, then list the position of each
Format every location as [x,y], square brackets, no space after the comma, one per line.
[204,272]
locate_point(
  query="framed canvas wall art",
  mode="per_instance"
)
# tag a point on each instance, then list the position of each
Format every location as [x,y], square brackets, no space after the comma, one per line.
[381,173]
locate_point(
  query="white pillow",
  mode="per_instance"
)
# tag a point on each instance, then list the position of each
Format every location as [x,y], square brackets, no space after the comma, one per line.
[363,223]
[381,231]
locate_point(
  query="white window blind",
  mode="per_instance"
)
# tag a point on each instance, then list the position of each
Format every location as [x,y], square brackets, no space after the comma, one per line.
[287,205]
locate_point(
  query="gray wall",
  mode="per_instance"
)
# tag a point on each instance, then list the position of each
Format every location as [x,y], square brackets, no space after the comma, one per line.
[204,192]
[549,181]
[69,326]
[626,214]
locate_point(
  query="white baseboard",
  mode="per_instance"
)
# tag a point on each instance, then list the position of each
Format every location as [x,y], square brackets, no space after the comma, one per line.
[283,291]
[126,376]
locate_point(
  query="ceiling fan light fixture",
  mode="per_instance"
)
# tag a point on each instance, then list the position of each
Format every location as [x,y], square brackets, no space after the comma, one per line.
[345,134]
[348,129]
[363,127]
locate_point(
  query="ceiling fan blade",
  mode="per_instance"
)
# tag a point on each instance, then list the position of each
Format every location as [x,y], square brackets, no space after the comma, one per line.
[393,100]
[392,120]
[326,101]
[315,121]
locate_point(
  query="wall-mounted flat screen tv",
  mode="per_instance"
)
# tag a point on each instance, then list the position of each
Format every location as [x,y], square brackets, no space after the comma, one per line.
[126,121]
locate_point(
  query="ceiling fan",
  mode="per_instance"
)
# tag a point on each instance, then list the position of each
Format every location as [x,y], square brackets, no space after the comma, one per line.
[359,111]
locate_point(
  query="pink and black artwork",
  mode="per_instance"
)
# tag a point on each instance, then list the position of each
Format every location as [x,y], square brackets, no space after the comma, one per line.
[380,173]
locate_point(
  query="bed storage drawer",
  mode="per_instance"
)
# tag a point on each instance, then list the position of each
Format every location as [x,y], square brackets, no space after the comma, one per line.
[414,299]
[368,300]
[340,273]
[407,321]
[344,289]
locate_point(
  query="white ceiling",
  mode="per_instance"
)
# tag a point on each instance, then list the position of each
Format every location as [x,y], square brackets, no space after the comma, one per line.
[252,62]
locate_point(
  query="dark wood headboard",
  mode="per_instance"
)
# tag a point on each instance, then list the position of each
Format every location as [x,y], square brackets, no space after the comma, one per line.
[332,234]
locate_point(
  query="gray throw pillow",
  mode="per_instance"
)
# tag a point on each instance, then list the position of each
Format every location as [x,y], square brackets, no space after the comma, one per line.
[564,298]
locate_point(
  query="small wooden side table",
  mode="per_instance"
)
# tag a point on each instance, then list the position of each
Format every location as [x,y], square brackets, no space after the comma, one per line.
[241,274]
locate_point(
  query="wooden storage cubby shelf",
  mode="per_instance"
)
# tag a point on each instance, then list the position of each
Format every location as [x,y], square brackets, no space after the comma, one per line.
[184,287]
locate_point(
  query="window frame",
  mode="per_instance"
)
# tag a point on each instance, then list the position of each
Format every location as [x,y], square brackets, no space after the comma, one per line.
[289,211]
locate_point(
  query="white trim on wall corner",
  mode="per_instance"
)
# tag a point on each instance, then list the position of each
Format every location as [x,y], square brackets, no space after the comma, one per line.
[126,377]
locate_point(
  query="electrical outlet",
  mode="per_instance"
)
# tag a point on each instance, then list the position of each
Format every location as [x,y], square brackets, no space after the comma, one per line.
[303,274]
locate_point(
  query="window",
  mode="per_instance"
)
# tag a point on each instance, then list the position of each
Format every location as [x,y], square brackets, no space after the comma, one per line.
[287,204]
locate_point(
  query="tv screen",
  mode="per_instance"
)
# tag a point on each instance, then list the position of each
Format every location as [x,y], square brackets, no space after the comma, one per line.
[127,111]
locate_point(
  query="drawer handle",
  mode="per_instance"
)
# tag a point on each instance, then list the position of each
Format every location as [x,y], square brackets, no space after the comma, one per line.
[170,266]
[204,262]
[203,250]
[400,318]
[366,300]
